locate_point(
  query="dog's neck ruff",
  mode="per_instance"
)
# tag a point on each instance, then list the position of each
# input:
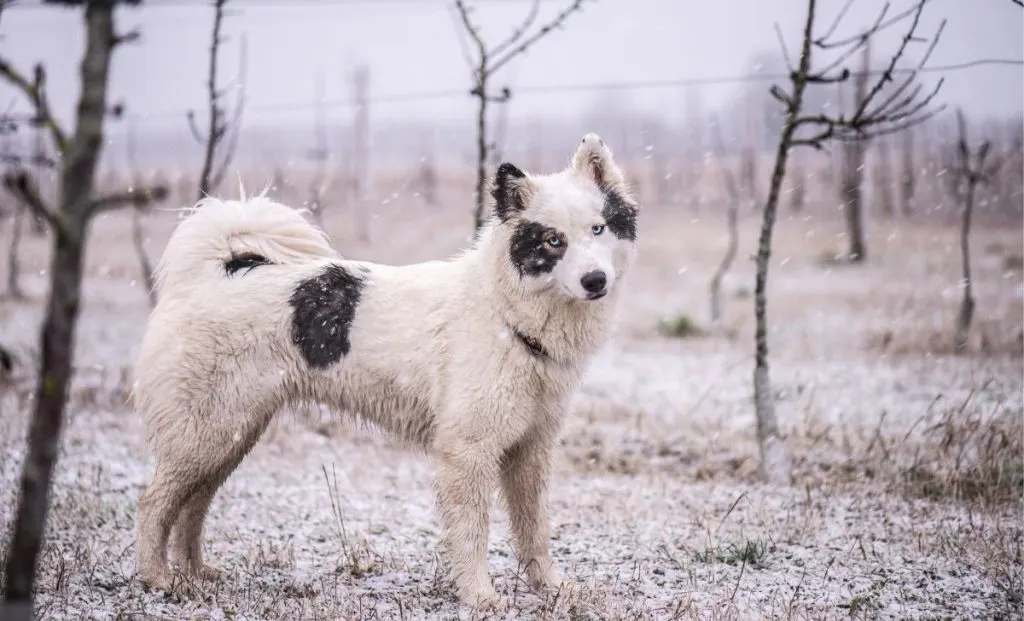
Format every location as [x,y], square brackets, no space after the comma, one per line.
[532,344]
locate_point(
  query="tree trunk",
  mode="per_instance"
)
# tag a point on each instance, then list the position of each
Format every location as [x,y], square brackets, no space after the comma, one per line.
[775,464]
[966,314]
[853,175]
[798,193]
[145,267]
[883,177]
[481,153]
[58,331]
[13,268]
[215,131]
[907,173]
[730,255]
[361,150]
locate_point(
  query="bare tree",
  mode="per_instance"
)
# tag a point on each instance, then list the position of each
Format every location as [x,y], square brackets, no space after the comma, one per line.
[485,64]
[750,156]
[319,154]
[221,137]
[797,186]
[14,291]
[907,172]
[79,153]
[883,177]
[964,172]
[138,229]
[732,196]
[693,148]
[852,172]
[901,108]
[10,158]
[361,170]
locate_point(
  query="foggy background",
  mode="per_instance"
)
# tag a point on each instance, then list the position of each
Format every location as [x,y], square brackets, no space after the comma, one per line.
[644,58]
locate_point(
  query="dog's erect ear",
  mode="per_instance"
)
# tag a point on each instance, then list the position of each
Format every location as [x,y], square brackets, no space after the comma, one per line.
[511,191]
[593,160]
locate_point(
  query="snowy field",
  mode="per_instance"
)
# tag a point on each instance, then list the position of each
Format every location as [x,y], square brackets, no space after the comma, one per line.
[906,500]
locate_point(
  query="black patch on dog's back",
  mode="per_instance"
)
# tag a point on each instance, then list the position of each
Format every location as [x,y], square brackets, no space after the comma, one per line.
[530,251]
[619,216]
[323,308]
[245,261]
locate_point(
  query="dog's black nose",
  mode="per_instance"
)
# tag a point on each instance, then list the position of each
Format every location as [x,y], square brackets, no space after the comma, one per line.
[594,282]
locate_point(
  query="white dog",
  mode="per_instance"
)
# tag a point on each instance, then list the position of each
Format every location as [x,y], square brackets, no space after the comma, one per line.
[474,358]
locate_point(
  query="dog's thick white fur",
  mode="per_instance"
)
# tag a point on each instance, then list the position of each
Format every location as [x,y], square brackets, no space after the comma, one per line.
[474,358]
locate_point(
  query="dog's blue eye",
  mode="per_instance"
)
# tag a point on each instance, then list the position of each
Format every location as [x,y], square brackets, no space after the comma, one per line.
[554,241]
[597,229]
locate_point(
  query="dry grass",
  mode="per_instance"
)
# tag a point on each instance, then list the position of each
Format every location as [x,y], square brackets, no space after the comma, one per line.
[907,492]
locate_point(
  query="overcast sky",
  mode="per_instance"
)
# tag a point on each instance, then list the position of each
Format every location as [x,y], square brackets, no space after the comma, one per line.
[412,47]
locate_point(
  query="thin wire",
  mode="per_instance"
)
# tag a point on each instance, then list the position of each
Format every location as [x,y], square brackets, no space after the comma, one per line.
[170,4]
[542,89]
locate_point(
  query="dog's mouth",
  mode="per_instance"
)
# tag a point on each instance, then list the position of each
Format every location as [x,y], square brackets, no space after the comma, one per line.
[596,296]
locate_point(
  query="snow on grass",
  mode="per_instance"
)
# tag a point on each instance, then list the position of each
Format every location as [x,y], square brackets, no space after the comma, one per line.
[906,499]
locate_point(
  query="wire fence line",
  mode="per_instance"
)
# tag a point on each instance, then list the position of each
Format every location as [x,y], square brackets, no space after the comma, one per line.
[556,89]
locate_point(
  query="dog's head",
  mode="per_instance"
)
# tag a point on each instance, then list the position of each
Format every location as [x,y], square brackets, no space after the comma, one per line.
[573,231]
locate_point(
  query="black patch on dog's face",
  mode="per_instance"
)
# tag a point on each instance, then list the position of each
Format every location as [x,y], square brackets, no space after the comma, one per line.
[530,248]
[245,261]
[619,216]
[323,308]
[507,200]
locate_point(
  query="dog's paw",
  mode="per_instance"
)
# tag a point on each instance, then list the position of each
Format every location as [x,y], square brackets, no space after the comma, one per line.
[484,600]
[155,581]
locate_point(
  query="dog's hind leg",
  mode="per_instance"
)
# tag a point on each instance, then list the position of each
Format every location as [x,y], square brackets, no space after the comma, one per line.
[524,477]
[186,480]
[159,505]
[187,534]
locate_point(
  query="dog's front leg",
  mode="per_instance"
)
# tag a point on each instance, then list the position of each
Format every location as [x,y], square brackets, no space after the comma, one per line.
[465,480]
[524,478]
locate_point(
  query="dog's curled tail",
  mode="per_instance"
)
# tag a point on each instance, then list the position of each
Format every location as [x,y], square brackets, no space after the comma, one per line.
[220,237]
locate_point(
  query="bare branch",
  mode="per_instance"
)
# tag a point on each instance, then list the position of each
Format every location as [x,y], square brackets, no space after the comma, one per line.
[463,45]
[20,184]
[880,24]
[194,128]
[128,37]
[544,30]
[215,129]
[134,197]
[887,74]
[35,91]
[227,150]
[785,50]
[480,68]
[901,108]
[835,24]
[518,32]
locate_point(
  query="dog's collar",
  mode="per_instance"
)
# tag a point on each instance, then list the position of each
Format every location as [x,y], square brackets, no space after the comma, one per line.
[532,344]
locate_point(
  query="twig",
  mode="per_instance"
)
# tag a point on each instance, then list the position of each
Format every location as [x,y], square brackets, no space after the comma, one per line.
[136,197]
[902,108]
[19,183]
[35,91]
[518,33]
[525,45]
[235,123]
[140,249]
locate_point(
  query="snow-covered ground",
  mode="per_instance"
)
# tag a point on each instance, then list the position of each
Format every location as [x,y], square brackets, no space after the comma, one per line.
[904,455]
